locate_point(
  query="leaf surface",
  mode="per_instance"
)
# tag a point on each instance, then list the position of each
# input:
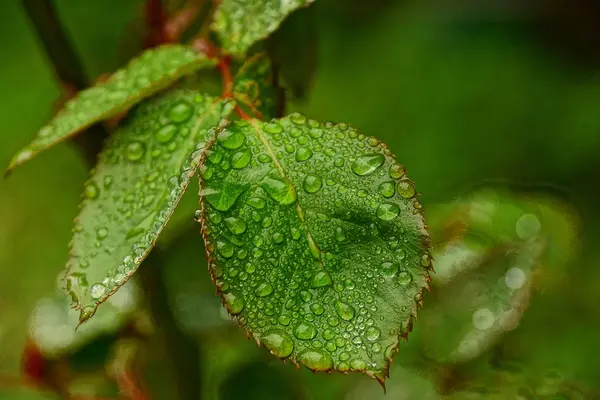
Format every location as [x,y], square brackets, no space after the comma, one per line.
[143,76]
[141,175]
[315,240]
[240,23]
[254,88]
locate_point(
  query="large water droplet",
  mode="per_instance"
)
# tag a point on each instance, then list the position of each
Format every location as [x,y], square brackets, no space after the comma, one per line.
[320,279]
[406,189]
[231,139]
[389,269]
[387,189]
[396,171]
[404,278]
[312,183]
[278,342]
[165,133]
[225,197]
[98,290]
[234,302]
[387,211]
[358,365]
[368,164]
[344,310]
[135,151]
[101,233]
[91,191]
[180,112]
[305,331]
[225,248]
[257,202]
[280,189]
[372,333]
[237,226]
[315,359]
[303,153]
[241,159]
[264,289]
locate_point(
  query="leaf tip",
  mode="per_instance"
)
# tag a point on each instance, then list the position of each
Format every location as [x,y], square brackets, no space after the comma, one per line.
[85,314]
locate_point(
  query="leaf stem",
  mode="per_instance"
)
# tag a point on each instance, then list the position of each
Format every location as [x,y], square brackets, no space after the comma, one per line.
[67,66]
[156,21]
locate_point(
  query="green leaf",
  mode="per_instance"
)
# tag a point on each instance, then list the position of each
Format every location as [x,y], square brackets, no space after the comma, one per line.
[52,323]
[154,70]
[141,175]
[254,89]
[26,393]
[240,24]
[315,241]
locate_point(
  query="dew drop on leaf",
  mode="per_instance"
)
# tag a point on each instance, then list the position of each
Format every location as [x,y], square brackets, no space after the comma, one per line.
[280,189]
[344,310]
[135,151]
[237,226]
[278,342]
[165,133]
[234,302]
[321,279]
[305,331]
[312,183]
[315,359]
[180,112]
[367,164]
[97,290]
[406,189]
[387,211]
[241,159]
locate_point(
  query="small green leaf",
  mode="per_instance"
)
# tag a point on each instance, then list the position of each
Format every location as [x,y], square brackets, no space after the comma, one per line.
[240,24]
[141,175]
[314,261]
[152,71]
[254,89]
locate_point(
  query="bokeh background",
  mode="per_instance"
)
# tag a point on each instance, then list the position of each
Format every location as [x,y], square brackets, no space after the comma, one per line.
[502,92]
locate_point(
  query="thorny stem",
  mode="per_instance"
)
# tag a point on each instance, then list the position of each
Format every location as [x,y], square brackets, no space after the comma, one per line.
[182,350]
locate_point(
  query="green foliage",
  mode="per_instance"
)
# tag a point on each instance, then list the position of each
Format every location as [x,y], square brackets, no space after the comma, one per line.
[24,393]
[141,175]
[151,72]
[253,87]
[315,240]
[241,23]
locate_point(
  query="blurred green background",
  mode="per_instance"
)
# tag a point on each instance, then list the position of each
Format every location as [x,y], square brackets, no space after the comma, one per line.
[463,92]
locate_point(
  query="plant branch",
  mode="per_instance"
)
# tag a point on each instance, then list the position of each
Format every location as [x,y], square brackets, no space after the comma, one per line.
[183,350]
[67,66]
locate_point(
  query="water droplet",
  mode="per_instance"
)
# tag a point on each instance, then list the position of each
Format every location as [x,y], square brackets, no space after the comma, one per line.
[166,133]
[197,216]
[317,308]
[358,365]
[101,233]
[223,199]
[98,290]
[264,289]
[298,118]
[237,226]
[280,189]
[257,202]
[278,342]
[320,279]
[425,260]
[312,183]
[406,189]
[387,189]
[234,302]
[528,226]
[389,269]
[317,360]
[515,278]
[241,159]
[404,278]
[483,319]
[91,191]
[108,179]
[344,310]
[135,151]
[225,248]
[372,333]
[367,164]
[303,153]
[396,171]
[305,331]
[376,347]
[387,211]
[231,139]
[180,112]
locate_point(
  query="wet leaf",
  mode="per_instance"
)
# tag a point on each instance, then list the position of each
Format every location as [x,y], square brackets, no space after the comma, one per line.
[486,271]
[315,240]
[254,88]
[152,71]
[141,175]
[240,24]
